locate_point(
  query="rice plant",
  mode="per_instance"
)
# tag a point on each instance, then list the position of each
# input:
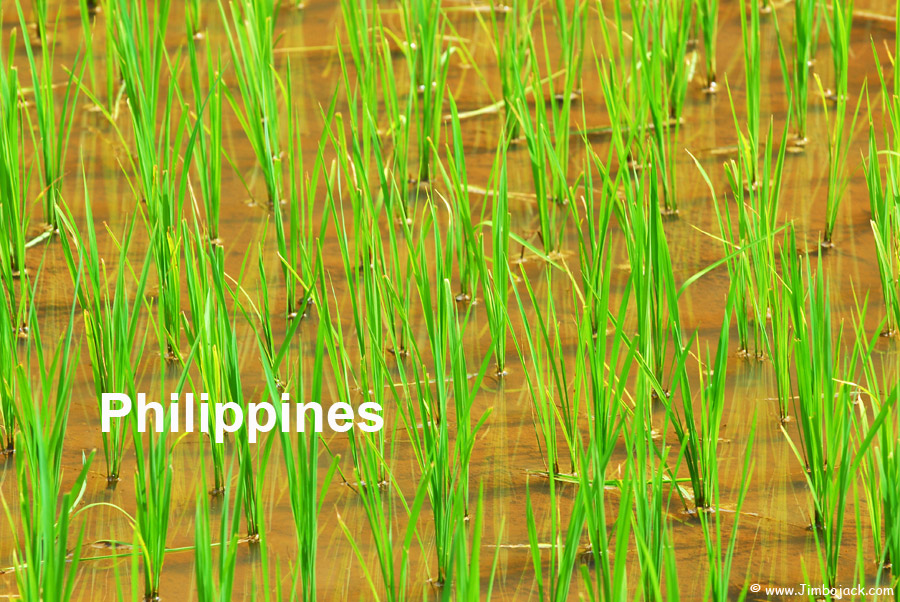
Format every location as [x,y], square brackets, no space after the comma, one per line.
[12,174]
[43,567]
[838,26]
[748,142]
[428,63]
[708,21]
[8,377]
[838,148]
[469,254]
[662,39]
[55,117]
[234,398]
[825,408]
[296,246]
[302,461]
[647,486]
[160,167]
[495,281]
[780,344]
[720,544]
[250,32]
[153,497]
[652,280]
[885,224]
[607,378]
[215,573]
[448,471]
[547,133]
[699,435]
[749,240]
[796,73]
[111,319]
[571,34]
[513,56]
[882,463]
[564,546]
[556,410]
[208,108]
[202,332]
[465,572]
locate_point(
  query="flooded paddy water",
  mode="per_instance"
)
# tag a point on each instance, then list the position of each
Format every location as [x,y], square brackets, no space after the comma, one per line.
[524,515]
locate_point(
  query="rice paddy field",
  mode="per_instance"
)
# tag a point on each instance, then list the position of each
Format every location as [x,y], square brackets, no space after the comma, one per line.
[603,295]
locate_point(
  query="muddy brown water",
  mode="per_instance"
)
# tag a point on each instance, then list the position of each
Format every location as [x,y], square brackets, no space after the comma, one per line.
[774,546]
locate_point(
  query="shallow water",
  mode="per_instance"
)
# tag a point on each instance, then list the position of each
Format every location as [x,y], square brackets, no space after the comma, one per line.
[774,546]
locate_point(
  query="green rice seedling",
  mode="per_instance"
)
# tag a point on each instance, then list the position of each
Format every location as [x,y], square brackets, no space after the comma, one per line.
[593,239]
[838,148]
[621,84]
[556,409]
[752,271]
[87,10]
[450,378]
[153,498]
[839,25]
[609,554]
[55,116]
[721,544]
[647,485]
[796,76]
[652,280]
[202,331]
[363,25]
[469,255]
[302,462]
[378,492]
[111,318]
[748,143]
[44,568]
[193,19]
[215,576]
[537,141]
[381,506]
[372,61]
[607,375]
[161,166]
[114,87]
[571,33]
[366,276]
[251,40]
[296,247]
[209,137]
[564,546]
[699,435]
[881,467]
[153,478]
[546,133]
[465,573]
[663,41]
[708,21]
[8,377]
[234,394]
[885,225]
[495,282]
[740,275]
[13,186]
[513,56]
[428,62]
[780,345]
[826,413]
